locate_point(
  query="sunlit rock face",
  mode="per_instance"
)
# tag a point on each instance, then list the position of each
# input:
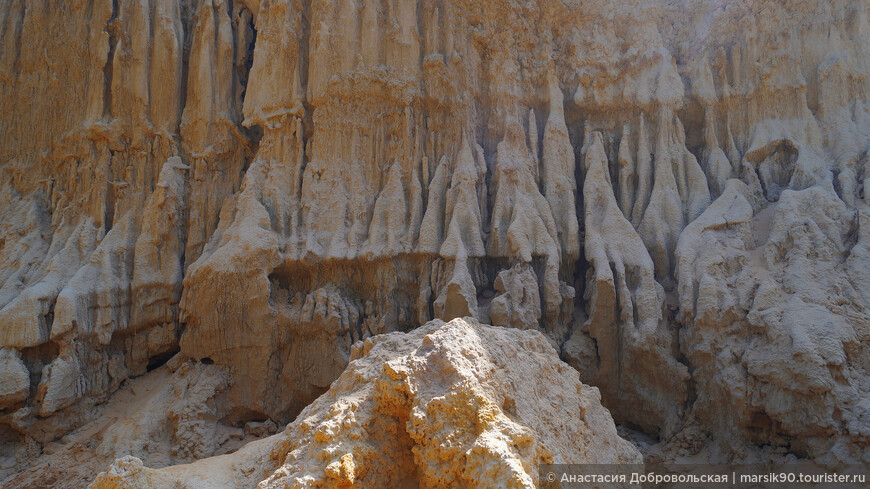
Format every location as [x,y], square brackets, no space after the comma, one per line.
[436,407]
[673,193]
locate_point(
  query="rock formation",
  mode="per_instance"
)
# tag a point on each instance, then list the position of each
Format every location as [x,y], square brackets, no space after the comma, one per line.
[674,194]
[440,406]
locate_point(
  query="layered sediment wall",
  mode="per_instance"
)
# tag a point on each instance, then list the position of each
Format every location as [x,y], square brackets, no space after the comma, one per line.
[673,193]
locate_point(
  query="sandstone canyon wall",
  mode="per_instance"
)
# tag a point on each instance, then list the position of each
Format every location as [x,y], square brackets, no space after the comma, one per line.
[674,194]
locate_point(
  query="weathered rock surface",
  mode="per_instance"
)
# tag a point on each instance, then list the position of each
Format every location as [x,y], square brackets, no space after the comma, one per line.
[440,406]
[169,416]
[674,194]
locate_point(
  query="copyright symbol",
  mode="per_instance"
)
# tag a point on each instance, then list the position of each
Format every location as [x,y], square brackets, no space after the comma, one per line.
[551,477]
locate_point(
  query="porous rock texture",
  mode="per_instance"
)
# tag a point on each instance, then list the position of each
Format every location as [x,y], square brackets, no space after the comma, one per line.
[447,405]
[673,193]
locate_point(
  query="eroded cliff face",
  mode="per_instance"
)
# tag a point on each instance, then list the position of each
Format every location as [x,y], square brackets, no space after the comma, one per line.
[673,194]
